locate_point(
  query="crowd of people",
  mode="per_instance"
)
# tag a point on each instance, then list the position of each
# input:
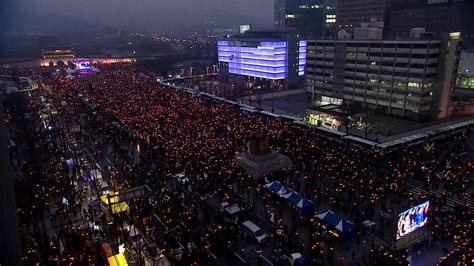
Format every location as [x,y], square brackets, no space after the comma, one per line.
[198,136]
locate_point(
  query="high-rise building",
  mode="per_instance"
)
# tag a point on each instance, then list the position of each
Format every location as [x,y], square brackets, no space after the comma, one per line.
[439,16]
[272,59]
[408,78]
[311,18]
[350,13]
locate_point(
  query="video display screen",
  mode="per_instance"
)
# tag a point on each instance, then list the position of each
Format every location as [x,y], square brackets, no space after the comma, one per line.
[82,64]
[412,219]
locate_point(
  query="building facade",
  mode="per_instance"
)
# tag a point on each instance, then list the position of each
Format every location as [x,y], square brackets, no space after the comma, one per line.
[406,78]
[271,59]
[311,18]
[350,14]
[438,16]
[466,71]
[52,55]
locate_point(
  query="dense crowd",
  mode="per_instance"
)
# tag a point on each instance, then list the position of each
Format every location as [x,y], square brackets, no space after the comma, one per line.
[198,136]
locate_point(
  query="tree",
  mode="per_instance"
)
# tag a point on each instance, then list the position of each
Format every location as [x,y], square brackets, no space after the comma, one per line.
[367,124]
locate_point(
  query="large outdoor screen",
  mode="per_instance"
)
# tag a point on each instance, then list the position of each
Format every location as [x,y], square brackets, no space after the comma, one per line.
[412,219]
[82,64]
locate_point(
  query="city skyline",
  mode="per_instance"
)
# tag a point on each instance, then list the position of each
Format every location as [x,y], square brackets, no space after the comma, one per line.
[146,15]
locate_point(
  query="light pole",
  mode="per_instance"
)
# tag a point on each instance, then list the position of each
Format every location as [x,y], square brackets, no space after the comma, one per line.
[273,105]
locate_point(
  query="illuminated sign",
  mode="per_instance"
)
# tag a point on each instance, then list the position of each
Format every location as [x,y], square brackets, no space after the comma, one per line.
[245,28]
[412,219]
[83,64]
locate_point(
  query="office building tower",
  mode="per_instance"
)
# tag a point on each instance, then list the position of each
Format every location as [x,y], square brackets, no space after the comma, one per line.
[411,78]
[438,16]
[272,59]
[311,18]
[350,13]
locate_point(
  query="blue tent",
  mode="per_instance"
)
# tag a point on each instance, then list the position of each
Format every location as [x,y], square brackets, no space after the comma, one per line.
[306,206]
[344,226]
[275,186]
[293,197]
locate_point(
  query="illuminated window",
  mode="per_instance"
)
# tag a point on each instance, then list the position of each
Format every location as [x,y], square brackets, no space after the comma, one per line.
[290,16]
[414,85]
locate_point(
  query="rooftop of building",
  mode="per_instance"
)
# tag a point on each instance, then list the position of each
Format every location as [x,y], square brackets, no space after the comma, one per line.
[406,40]
[276,34]
[56,46]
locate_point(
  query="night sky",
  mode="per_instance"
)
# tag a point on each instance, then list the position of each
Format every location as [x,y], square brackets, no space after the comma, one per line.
[148,14]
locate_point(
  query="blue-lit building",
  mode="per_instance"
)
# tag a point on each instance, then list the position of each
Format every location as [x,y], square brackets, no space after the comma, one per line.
[262,59]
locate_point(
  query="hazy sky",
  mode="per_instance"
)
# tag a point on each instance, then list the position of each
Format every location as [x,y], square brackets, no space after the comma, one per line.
[145,12]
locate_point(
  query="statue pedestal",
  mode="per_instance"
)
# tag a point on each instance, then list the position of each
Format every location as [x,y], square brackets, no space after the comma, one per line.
[256,165]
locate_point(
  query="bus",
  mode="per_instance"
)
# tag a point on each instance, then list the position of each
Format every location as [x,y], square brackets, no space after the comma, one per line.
[291,118]
[331,134]
[439,133]
[270,114]
[248,111]
[393,145]
[416,139]
[360,142]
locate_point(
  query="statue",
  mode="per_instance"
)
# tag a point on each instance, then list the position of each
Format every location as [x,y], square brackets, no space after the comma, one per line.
[260,144]
[259,159]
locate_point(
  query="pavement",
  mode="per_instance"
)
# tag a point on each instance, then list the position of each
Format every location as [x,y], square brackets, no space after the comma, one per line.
[389,127]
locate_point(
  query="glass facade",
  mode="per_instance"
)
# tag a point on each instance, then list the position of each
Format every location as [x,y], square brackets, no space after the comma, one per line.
[266,60]
[302,53]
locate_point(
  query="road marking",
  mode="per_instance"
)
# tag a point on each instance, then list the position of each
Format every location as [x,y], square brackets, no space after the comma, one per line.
[240,258]
[267,260]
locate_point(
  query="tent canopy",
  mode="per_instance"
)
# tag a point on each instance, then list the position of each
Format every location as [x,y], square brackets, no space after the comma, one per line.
[294,198]
[291,196]
[274,186]
[339,223]
[117,207]
[117,260]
